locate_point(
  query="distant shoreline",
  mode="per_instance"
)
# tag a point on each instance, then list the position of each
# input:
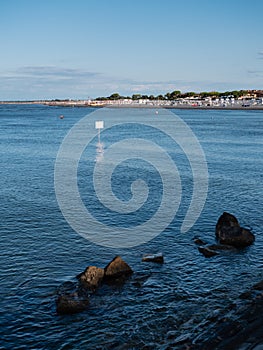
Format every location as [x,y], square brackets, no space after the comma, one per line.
[256,107]
[132,105]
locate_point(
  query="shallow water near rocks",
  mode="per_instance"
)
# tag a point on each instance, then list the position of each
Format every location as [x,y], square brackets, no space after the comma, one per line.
[159,302]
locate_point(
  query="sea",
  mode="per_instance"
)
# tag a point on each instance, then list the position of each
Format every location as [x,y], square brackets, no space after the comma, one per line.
[42,246]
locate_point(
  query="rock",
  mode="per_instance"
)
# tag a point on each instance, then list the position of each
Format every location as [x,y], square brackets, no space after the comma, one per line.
[221,247]
[235,327]
[227,220]
[67,287]
[236,236]
[157,258]
[182,338]
[72,298]
[208,253]
[71,304]
[245,295]
[199,241]
[258,286]
[117,269]
[229,232]
[92,277]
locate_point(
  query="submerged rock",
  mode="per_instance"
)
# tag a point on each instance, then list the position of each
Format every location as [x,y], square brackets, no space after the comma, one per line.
[224,247]
[258,286]
[208,253]
[92,277]
[117,269]
[71,304]
[157,258]
[229,232]
[72,298]
[199,241]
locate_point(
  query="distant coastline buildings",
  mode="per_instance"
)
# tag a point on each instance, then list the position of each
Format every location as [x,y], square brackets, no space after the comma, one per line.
[175,99]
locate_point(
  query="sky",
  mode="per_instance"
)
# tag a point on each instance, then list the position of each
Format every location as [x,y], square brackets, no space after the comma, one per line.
[83,49]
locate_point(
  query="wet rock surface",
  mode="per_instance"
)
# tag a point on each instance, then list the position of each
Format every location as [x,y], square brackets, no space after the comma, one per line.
[224,247]
[71,298]
[229,235]
[207,252]
[240,327]
[117,269]
[92,277]
[156,258]
[199,241]
[71,304]
[228,231]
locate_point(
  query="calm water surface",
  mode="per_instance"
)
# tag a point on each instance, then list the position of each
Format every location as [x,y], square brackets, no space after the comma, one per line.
[39,250]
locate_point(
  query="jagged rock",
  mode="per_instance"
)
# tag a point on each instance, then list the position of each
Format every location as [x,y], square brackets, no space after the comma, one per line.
[208,253]
[228,231]
[157,258]
[117,269]
[225,220]
[92,277]
[71,304]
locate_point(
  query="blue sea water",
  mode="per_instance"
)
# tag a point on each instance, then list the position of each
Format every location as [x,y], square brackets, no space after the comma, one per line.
[40,251]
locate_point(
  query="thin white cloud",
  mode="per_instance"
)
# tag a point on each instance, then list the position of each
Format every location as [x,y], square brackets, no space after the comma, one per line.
[53,72]
[37,82]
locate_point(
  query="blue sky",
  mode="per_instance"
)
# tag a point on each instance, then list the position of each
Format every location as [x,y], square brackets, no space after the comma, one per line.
[88,48]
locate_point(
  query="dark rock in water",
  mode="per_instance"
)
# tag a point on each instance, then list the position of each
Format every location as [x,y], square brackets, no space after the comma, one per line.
[236,236]
[245,295]
[228,231]
[67,287]
[225,220]
[71,304]
[72,298]
[92,277]
[181,339]
[117,269]
[240,327]
[224,247]
[199,241]
[157,258]
[208,253]
[258,286]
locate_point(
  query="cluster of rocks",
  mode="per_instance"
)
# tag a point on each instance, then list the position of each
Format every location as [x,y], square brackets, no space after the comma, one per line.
[73,297]
[237,327]
[229,235]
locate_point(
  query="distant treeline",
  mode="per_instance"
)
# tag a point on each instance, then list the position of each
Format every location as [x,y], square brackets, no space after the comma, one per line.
[178,94]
